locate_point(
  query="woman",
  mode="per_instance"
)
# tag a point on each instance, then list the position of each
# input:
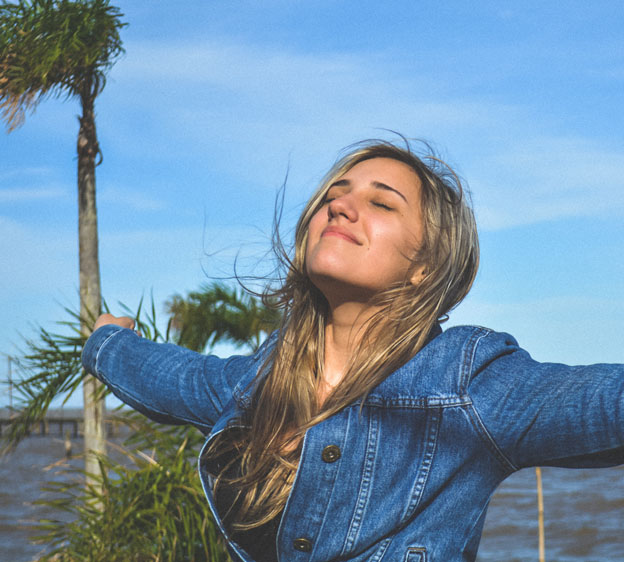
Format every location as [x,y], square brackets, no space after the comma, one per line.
[361,431]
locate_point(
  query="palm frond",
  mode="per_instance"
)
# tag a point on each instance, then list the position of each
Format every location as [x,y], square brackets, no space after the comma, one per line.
[54,48]
[219,313]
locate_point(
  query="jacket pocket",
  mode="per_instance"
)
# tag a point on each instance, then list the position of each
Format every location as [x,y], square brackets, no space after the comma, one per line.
[416,554]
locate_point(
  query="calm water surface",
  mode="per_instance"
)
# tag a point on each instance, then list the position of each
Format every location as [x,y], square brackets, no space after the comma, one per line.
[584,510]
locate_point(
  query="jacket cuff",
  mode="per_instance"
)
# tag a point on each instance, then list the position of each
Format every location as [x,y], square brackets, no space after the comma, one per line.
[94,344]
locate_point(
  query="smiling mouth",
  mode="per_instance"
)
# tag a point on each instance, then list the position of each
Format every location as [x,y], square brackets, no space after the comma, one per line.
[340,233]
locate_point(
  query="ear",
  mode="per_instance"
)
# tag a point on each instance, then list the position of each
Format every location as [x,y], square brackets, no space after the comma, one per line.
[418,275]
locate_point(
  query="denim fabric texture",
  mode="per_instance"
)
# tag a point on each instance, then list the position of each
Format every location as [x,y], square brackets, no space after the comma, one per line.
[408,475]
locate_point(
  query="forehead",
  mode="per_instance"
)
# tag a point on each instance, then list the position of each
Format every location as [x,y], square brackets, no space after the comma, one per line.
[389,171]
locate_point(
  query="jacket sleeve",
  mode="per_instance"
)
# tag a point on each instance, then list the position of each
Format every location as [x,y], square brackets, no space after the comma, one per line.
[547,413]
[167,383]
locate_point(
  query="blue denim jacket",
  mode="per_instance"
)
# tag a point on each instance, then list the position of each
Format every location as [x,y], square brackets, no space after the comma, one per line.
[407,477]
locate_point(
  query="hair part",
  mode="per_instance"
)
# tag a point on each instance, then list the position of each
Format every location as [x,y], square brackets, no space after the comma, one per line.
[285,397]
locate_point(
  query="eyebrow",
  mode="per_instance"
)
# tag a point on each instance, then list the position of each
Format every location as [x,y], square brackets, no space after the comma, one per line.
[375,184]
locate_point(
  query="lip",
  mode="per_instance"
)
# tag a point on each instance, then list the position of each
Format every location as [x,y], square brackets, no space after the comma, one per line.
[340,232]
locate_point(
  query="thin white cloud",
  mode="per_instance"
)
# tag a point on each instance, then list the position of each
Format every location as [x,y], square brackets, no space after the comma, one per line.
[275,106]
[228,101]
[27,195]
[35,258]
[227,63]
[34,171]
[548,179]
[130,199]
[314,87]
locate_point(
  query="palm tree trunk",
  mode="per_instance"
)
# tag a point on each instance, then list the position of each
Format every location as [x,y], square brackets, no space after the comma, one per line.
[90,295]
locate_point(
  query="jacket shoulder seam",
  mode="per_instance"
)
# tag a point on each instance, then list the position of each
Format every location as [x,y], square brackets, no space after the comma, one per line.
[468,355]
[466,373]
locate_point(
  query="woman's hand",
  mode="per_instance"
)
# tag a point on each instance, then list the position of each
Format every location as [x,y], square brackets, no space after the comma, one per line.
[123,321]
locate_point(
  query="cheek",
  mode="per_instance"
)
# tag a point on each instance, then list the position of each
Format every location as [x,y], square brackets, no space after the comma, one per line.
[315,227]
[317,220]
[317,223]
[394,239]
[395,251]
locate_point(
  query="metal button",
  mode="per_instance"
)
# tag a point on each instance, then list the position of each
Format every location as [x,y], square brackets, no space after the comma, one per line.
[302,545]
[331,453]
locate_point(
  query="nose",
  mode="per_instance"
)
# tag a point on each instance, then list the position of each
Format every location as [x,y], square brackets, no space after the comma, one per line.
[345,206]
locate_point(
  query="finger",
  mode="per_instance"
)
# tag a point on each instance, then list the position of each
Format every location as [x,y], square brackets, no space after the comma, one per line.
[127,322]
[123,321]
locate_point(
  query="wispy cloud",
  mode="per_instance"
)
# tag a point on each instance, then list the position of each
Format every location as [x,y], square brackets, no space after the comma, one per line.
[310,86]
[227,100]
[130,199]
[234,100]
[547,179]
[33,171]
[27,195]
[36,258]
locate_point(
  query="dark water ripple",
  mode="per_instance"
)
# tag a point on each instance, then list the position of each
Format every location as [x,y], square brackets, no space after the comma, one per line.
[584,510]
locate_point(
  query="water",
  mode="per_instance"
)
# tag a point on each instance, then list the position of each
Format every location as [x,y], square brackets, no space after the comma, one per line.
[583,517]
[584,510]
[21,475]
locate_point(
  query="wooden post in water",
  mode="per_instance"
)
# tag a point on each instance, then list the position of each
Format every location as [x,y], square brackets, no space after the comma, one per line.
[68,445]
[540,515]
[10,361]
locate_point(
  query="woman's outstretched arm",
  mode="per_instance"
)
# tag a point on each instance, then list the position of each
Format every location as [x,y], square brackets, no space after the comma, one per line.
[167,383]
[548,413]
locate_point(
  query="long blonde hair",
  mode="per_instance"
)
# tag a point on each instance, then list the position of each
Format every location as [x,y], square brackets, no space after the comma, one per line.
[285,398]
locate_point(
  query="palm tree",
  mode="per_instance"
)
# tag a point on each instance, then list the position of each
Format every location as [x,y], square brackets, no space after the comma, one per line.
[216,313]
[63,48]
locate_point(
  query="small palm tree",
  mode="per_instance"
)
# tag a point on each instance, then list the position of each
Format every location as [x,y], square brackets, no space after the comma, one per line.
[60,48]
[216,313]
[154,510]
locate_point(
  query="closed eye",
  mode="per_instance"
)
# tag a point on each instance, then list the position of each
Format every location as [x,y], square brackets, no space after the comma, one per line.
[382,206]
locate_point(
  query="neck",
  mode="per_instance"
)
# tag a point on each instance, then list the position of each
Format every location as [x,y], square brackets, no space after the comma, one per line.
[343,333]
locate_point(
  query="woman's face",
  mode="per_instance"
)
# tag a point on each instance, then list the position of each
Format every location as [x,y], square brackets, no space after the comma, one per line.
[362,238]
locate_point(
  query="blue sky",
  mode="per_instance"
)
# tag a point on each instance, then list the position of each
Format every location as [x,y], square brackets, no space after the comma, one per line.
[215,102]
